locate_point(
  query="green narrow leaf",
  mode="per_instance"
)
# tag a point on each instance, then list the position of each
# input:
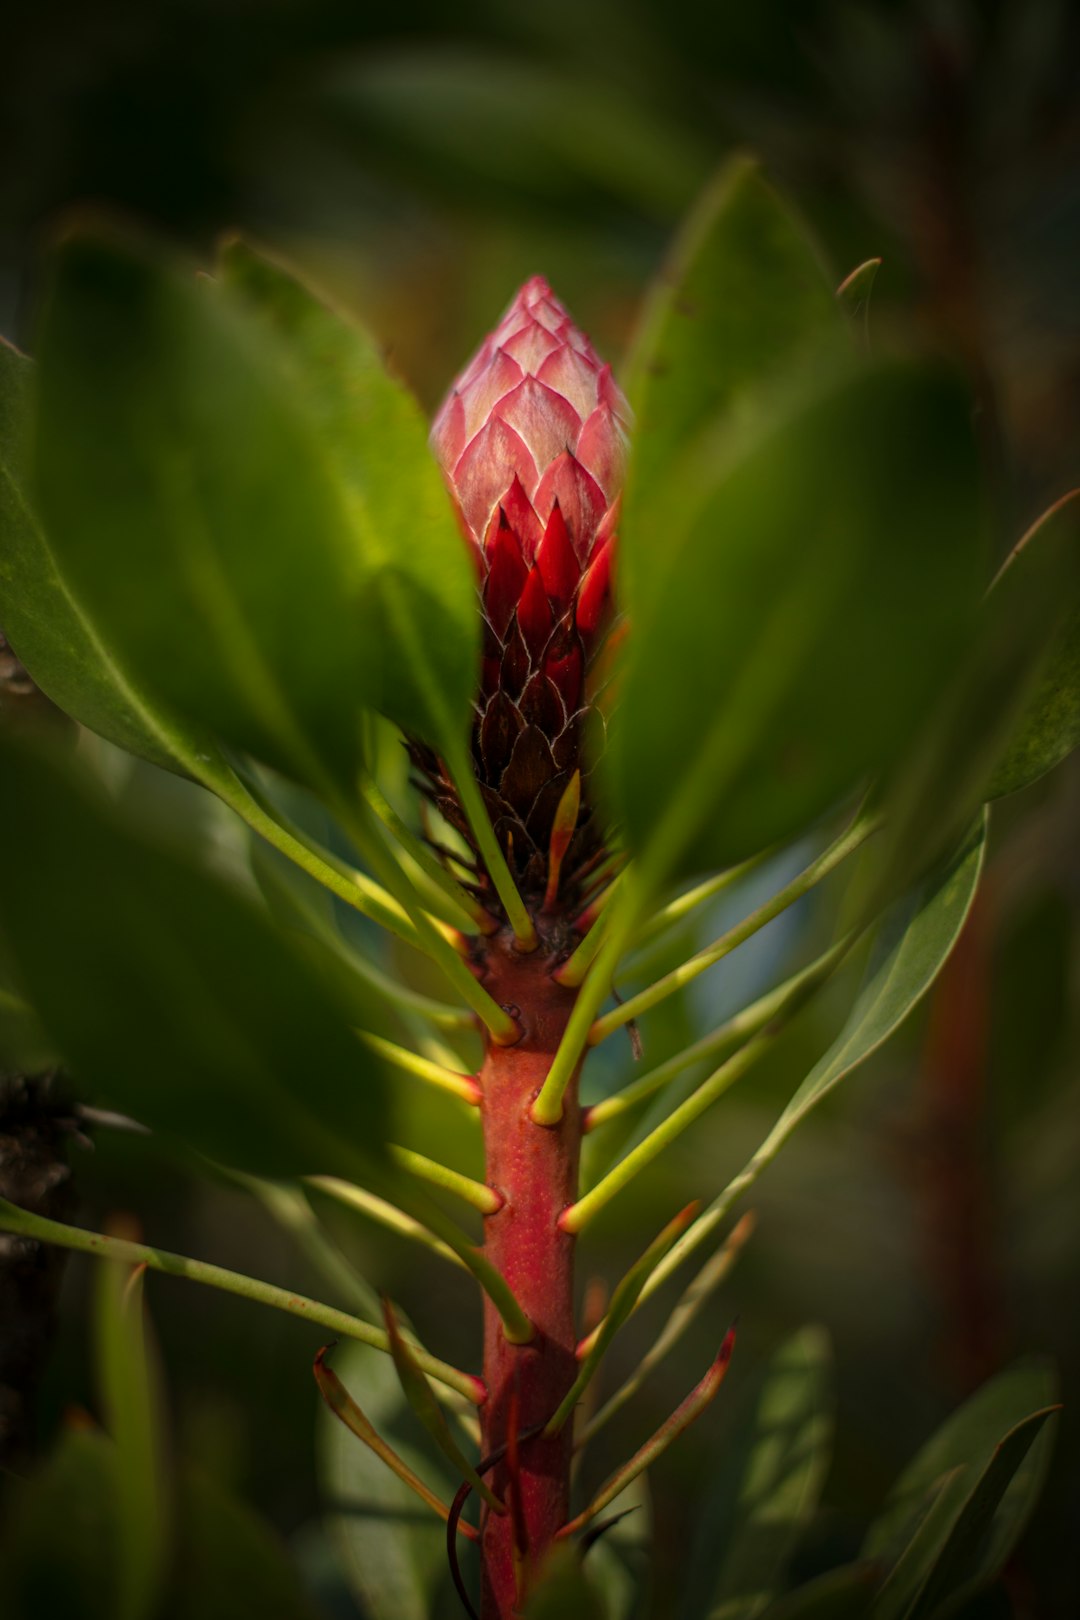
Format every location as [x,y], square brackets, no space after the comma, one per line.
[419,622]
[913,946]
[968,1438]
[189,506]
[768,1482]
[795,567]
[945,1561]
[625,1297]
[170,996]
[131,1398]
[744,300]
[393,1549]
[959,1570]
[421,1397]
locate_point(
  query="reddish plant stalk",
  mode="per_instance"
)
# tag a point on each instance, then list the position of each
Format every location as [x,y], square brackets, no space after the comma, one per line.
[536,1169]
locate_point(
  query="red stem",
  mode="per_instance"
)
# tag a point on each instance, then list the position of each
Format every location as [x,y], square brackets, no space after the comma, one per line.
[536,1169]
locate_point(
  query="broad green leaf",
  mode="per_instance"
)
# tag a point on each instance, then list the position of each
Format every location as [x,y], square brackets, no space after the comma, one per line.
[967,1439]
[58,1550]
[564,1589]
[1049,728]
[229,1563]
[131,1400]
[51,630]
[767,1487]
[393,1548]
[744,301]
[191,511]
[774,664]
[419,623]
[171,996]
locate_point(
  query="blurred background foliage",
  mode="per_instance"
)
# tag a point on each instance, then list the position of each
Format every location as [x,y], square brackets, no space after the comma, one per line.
[421,163]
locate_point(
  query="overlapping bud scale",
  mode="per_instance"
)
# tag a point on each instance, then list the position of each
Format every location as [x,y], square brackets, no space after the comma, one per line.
[532,441]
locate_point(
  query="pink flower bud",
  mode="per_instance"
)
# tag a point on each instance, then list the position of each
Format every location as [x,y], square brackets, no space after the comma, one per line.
[532,441]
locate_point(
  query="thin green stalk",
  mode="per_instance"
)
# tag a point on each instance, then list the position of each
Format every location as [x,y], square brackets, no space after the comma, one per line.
[459,909]
[480,822]
[733,1033]
[427,1215]
[440,1013]
[623,1300]
[14,1219]
[573,970]
[366,831]
[690,1304]
[577,1217]
[291,1210]
[692,1407]
[355,888]
[683,904]
[435,1074]
[547,1109]
[384,1213]
[676,980]
[474,1193]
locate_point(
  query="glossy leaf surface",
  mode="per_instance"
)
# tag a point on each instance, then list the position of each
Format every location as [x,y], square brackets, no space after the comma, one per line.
[776,663]
[187,503]
[418,624]
[743,301]
[170,996]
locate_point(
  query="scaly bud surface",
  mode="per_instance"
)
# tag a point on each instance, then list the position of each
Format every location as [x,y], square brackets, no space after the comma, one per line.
[532,441]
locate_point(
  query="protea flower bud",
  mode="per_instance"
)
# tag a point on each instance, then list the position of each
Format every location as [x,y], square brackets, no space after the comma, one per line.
[532,442]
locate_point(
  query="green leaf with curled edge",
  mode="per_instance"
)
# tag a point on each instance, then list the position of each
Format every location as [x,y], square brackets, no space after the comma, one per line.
[170,995]
[744,301]
[418,625]
[1049,728]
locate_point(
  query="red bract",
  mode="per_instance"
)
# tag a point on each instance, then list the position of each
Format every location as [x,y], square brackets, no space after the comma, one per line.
[532,442]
